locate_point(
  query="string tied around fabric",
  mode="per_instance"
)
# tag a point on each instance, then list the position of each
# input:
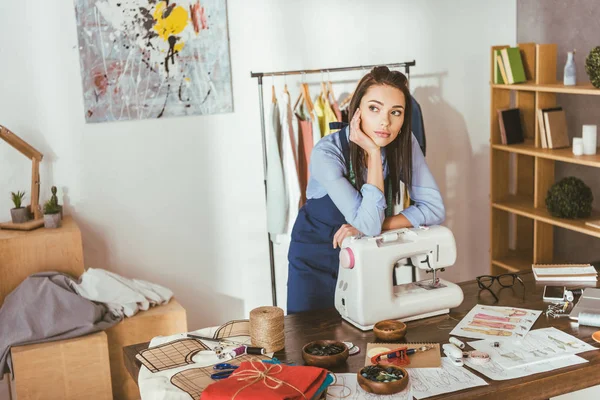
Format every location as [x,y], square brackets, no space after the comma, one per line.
[256,375]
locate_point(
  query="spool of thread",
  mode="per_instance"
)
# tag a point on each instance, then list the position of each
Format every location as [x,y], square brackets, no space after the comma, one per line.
[266,328]
[577,146]
[457,342]
[590,137]
[255,350]
[589,319]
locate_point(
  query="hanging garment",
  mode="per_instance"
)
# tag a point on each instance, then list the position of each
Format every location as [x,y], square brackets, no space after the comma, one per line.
[276,190]
[305,145]
[325,115]
[336,109]
[289,144]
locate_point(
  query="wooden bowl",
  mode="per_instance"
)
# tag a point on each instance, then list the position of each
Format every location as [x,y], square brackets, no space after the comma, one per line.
[325,361]
[370,386]
[389,330]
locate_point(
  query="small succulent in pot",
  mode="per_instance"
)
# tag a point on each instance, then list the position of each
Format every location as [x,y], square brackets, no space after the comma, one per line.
[51,214]
[592,66]
[19,214]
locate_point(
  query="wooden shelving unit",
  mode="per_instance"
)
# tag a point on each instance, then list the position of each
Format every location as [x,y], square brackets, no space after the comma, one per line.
[520,211]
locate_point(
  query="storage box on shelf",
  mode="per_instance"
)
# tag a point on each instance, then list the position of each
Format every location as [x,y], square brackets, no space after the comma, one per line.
[529,165]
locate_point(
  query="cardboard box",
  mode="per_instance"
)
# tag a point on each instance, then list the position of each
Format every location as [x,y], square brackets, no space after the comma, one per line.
[71,369]
[25,253]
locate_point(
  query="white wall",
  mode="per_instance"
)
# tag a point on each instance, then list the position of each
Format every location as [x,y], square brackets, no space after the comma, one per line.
[180,201]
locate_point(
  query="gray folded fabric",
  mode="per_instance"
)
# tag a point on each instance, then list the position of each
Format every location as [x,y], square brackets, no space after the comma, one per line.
[45,308]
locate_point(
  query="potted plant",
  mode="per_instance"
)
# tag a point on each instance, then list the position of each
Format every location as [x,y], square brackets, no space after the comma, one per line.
[19,214]
[51,214]
[55,200]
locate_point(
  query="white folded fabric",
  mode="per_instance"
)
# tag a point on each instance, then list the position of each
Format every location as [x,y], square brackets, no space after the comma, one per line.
[123,296]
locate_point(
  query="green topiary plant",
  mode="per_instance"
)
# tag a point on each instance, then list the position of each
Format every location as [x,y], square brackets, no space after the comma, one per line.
[50,207]
[592,66]
[570,198]
[17,198]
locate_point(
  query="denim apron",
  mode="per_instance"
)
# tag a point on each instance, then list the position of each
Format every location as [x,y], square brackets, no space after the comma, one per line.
[313,262]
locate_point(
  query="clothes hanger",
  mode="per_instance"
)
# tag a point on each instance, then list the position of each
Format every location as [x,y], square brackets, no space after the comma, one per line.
[307,98]
[347,100]
[324,93]
[301,95]
[330,89]
[285,89]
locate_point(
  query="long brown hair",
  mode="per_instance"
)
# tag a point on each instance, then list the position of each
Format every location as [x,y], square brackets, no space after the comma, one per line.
[399,151]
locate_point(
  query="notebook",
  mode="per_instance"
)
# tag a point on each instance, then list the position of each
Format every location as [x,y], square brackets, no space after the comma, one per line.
[557,135]
[564,272]
[427,359]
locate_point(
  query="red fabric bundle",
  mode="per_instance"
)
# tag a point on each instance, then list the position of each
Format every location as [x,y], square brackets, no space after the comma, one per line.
[255,380]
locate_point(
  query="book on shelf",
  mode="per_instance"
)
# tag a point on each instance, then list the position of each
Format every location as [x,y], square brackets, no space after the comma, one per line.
[564,272]
[511,130]
[542,124]
[556,129]
[513,65]
[499,72]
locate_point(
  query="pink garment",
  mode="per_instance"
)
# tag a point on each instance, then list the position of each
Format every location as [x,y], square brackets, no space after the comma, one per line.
[305,145]
[490,324]
[494,318]
[336,110]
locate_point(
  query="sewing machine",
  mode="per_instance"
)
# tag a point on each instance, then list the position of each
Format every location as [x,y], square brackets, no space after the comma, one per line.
[365,292]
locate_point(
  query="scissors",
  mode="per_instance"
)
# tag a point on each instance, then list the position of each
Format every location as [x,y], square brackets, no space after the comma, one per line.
[225,369]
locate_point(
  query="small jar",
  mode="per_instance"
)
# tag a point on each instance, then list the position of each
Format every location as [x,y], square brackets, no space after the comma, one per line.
[590,136]
[577,146]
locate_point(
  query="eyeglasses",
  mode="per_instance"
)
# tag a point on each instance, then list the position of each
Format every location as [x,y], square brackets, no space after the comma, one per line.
[505,280]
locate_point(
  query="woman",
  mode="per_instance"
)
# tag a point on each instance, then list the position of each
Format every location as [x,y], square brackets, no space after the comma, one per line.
[354,176]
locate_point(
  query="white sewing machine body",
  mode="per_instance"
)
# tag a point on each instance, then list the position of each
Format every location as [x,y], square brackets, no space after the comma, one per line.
[365,291]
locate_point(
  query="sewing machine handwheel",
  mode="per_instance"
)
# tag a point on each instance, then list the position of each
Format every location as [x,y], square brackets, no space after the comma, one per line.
[347,258]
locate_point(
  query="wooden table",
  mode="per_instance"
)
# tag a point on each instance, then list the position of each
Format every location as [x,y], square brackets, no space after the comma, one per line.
[305,327]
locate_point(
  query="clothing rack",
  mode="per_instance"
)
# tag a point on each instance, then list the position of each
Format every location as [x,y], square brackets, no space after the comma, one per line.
[406,65]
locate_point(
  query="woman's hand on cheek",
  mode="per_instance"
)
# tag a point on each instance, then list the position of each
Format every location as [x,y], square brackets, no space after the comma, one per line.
[345,231]
[359,137]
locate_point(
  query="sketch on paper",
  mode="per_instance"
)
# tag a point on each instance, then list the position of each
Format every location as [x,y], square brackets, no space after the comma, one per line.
[538,346]
[144,59]
[427,382]
[494,371]
[496,322]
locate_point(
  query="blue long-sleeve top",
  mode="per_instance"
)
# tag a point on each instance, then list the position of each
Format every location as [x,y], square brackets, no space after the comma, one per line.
[365,210]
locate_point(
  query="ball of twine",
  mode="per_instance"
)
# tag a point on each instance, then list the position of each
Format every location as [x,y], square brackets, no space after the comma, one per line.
[266,328]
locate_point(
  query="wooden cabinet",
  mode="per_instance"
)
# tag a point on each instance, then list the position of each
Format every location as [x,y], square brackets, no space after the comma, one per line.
[522,229]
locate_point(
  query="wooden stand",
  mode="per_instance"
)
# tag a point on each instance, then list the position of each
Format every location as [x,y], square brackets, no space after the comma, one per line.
[25,253]
[67,369]
[36,157]
[521,212]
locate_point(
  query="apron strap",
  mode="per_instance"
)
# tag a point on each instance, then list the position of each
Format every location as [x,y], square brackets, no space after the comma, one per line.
[389,211]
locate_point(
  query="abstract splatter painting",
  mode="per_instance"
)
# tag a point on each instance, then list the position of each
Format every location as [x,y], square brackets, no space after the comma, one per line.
[144,59]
